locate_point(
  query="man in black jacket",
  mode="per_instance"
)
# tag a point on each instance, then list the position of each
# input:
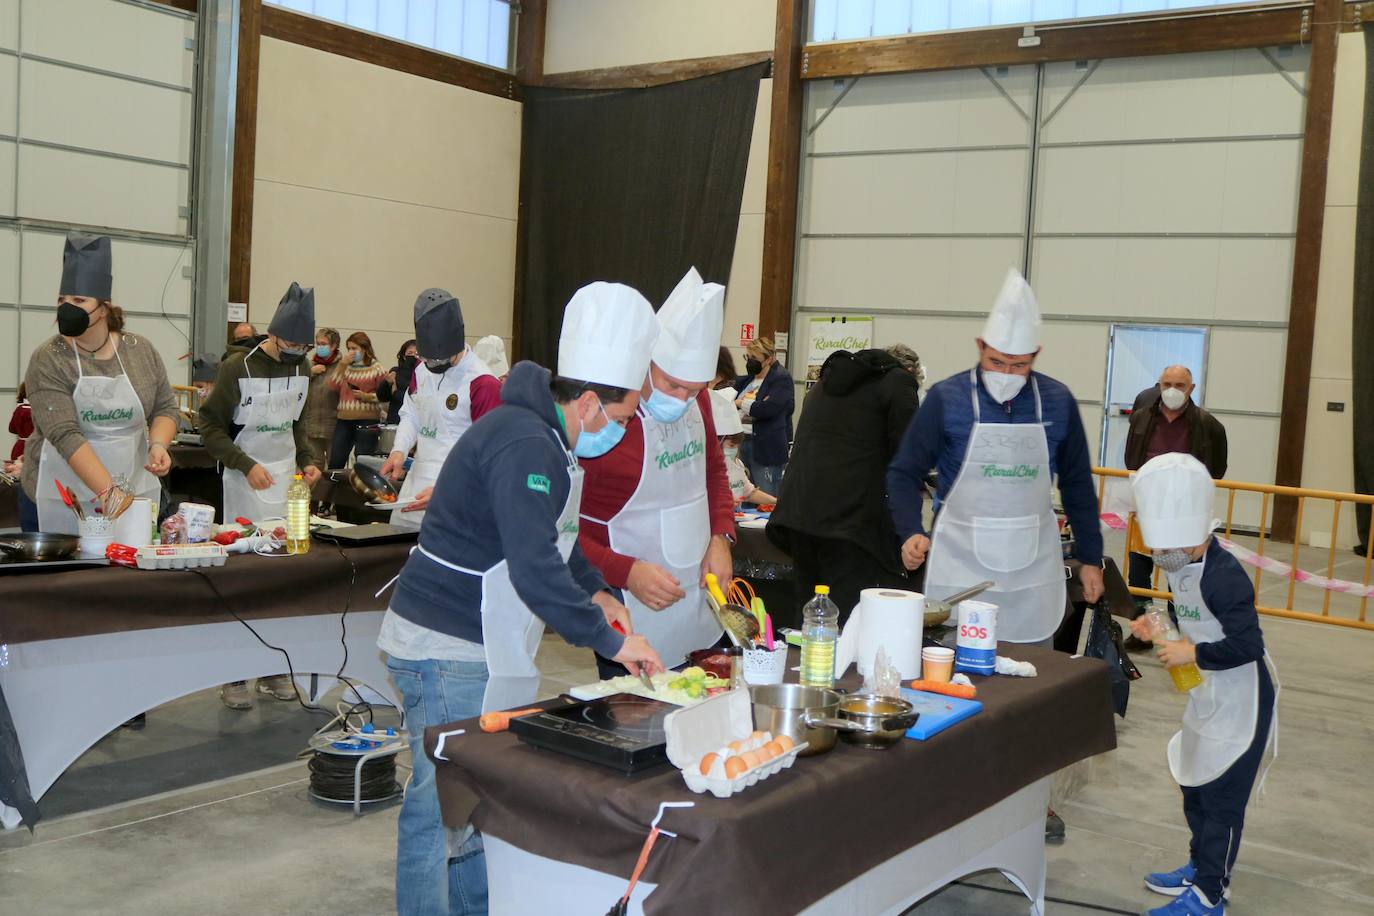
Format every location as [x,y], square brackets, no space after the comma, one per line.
[1164,419]
[832,514]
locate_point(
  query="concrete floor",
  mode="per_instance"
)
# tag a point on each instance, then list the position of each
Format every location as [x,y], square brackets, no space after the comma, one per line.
[237,832]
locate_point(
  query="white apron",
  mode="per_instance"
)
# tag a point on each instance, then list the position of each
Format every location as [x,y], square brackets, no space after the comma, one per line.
[997,523]
[111,418]
[510,631]
[268,419]
[443,409]
[1219,721]
[667,521]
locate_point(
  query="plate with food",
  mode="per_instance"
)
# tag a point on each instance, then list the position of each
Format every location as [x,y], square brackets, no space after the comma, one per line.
[392,503]
[681,688]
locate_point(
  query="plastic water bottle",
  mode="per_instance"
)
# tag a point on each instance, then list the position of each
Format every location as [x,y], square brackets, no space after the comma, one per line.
[298,516]
[820,630]
[1186,676]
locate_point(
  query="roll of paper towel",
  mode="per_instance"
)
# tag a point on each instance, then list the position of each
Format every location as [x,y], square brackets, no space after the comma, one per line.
[135,526]
[887,619]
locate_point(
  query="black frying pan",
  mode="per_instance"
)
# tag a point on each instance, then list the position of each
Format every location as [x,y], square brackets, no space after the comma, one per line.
[39,546]
[369,483]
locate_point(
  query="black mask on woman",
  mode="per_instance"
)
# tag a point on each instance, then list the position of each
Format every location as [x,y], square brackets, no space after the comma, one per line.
[753,366]
[408,362]
[72,320]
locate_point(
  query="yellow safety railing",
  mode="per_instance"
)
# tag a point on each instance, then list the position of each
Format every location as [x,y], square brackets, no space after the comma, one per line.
[1267,494]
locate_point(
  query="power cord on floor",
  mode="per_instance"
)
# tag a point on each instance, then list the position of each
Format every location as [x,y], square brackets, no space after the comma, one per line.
[1061,900]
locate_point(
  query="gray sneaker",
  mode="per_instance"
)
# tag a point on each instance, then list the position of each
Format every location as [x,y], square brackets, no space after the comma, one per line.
[278,685]
[236,695]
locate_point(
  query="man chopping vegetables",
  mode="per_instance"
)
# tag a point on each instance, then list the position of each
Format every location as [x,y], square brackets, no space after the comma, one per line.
[998,435]
[658,514]
[497,559]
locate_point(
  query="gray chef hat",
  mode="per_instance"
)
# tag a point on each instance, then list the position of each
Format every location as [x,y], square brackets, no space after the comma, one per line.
[87,267]
[438,324]
[294,321]
[204,368]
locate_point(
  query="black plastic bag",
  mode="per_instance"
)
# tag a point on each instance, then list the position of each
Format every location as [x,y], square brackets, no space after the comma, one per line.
[1105,641]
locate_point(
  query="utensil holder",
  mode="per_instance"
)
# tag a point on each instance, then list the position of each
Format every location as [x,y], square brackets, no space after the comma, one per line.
[764,667]
[97,533]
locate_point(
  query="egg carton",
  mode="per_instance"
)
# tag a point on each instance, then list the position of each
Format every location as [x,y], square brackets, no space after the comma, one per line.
[721,787]
[695,731]
[180,556]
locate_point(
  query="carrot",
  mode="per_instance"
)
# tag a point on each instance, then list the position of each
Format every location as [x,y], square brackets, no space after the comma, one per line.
[500,721]
[949,690]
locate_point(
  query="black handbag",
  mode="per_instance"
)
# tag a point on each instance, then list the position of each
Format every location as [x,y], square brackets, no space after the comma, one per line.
[1105,641]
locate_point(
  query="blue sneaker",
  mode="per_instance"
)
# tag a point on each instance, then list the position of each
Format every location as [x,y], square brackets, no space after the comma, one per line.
[1189,903]
[1173,883]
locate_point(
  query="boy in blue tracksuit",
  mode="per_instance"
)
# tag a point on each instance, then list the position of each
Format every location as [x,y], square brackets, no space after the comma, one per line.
[1230,716]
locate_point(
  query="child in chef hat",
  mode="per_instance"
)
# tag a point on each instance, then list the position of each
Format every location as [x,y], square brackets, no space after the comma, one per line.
[1230,716]
[730,431]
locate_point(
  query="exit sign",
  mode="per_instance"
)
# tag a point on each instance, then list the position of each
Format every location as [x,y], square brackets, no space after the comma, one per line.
[746,335]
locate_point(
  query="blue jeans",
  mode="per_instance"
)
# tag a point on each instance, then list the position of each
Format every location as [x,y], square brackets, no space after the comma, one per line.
[767,477]
[28,511]
[428,882]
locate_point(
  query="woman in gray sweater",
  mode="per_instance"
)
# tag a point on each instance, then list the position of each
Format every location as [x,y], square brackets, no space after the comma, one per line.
[103,410]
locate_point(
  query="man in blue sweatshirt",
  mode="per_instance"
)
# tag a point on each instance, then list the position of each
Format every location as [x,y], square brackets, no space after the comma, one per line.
[997,435]
[1231,714]
[497,559]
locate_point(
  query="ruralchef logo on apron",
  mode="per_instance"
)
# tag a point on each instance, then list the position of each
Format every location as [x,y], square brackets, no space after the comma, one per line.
[1187,611]
[118,415]
[667,459]
[429,432]
[1021,471]
[275,427]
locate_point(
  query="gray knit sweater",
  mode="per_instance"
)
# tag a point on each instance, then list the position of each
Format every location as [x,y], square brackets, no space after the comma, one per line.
[51,379]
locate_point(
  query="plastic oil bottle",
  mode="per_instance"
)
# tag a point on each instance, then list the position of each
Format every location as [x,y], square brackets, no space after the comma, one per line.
[1187,676]
[298,516]
[820,630]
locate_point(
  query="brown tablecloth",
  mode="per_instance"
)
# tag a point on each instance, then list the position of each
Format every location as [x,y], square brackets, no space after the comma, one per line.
[84,602]
[790,840]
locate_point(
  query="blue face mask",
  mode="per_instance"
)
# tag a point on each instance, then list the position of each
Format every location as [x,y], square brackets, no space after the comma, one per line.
[596,444]
[665,408]
[357,356]
[323,351]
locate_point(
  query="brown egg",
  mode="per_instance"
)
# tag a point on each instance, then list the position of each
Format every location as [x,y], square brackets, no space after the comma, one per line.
[734,766]
[751,758]
[707,762]
[757,736]
[734,746]
[786,742]
[774,748]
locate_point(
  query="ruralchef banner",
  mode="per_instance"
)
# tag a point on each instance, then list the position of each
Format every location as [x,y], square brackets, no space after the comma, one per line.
[836,332]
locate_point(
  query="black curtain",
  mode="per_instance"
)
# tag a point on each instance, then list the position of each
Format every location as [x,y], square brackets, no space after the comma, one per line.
[1362,330]
[631,186]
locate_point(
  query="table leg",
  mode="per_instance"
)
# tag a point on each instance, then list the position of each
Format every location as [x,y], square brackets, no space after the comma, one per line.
[66,694]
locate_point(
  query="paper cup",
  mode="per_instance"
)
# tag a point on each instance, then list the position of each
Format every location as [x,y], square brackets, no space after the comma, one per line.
[937,664]
[764,667]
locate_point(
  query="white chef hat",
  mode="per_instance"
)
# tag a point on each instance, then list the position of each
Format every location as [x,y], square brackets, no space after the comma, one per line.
[1173,501]
[688,347]
[1013,326]
[492,351]
[608,333]
[724,413]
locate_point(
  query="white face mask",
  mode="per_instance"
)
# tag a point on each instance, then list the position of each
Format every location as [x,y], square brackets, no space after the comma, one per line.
[1173,398]
[731,452]
[1003,386]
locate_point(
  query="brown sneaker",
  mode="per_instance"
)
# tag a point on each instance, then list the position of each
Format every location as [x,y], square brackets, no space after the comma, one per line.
[236,695]
[278,685]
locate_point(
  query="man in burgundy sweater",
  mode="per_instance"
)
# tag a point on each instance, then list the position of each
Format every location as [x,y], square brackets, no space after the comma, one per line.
[657,514]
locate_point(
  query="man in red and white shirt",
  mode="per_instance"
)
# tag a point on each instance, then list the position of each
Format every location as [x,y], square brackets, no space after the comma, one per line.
[657,513]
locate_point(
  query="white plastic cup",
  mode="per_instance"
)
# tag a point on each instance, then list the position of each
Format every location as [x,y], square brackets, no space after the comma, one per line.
[937,664]
[97,533]
[764,667]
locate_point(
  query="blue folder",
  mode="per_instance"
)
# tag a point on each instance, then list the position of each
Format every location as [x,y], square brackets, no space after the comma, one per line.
[938,712]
